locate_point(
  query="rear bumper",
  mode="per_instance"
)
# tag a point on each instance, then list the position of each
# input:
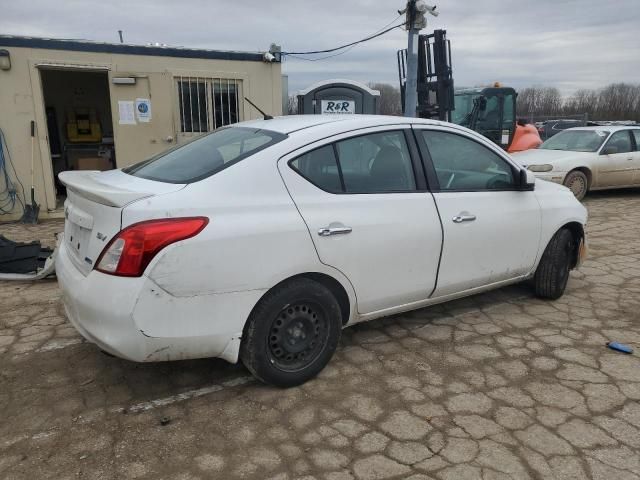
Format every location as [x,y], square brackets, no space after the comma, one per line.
[134,319]
[99,309]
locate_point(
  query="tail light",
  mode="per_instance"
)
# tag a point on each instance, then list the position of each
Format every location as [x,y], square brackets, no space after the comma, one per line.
[129,252]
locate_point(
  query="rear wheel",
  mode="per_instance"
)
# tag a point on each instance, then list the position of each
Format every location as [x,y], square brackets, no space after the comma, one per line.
[550,280]
[292,333]
[578,183]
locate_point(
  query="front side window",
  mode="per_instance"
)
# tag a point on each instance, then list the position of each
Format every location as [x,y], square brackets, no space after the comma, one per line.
[489,117]
[463,103]
[205,156]
[374,163]
[462,164]
[621,141]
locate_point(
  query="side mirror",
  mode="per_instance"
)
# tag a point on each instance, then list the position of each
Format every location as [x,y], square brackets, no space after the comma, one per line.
[527,180]
[609,150]
[483,104]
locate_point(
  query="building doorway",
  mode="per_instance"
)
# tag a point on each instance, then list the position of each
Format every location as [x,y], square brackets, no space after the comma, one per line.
[79,122]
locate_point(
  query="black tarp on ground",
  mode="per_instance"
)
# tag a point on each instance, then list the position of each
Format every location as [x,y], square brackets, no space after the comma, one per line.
[21,257]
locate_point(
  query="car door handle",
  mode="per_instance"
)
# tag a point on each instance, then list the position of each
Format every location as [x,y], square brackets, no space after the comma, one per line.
[463,218]
[328,231]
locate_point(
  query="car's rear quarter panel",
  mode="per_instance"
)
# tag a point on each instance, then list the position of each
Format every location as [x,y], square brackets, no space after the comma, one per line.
[254,240]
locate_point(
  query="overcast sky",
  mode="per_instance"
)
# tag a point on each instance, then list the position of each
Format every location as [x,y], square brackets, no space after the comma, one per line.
[569,44]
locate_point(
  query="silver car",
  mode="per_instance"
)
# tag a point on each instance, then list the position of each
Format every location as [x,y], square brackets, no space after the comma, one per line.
[588,158]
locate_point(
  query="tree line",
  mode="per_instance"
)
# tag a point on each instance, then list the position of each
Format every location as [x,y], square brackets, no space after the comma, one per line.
[616,101]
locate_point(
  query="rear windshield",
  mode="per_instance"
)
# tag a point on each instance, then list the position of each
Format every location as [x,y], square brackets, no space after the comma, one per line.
[205,156]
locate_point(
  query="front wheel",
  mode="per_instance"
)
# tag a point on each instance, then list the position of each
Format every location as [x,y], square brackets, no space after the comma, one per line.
[578,183]
[292,333]
[550,280]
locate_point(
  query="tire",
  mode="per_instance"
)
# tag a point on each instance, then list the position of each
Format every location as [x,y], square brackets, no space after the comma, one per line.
[578,183]
[552,274]
[292,333]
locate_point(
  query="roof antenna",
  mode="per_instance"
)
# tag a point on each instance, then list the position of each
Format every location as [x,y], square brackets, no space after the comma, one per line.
[120,33]
[266,116]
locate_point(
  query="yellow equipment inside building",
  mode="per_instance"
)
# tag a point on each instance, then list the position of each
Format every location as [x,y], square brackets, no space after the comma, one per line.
[83,126]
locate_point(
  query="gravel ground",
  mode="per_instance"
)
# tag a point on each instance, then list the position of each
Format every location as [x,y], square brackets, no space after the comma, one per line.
[497,386]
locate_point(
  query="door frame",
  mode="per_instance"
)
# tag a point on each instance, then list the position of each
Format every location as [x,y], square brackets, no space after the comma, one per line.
[36,66]
[403,127]
[440,194]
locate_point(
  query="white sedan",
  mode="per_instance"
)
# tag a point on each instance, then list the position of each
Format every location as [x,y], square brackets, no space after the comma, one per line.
[262,240]
[588,158]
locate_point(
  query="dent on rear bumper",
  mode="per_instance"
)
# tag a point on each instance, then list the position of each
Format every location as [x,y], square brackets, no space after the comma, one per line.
[204,325]
[134,319]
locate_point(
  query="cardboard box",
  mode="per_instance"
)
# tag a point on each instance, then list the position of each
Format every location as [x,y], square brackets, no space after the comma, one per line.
[93,163]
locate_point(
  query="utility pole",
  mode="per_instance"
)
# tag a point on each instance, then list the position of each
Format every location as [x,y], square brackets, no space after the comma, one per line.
[415,22]
[411,86]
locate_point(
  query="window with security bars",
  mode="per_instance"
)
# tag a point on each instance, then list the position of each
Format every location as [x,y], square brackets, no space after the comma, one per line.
[207,103]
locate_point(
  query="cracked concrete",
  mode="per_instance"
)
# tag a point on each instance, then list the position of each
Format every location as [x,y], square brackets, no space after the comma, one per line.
[497,386]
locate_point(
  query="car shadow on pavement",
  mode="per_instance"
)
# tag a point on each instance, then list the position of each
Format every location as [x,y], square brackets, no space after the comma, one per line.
[131,383]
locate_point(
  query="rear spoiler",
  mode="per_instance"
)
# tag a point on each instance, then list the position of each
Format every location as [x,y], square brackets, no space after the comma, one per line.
[85,184]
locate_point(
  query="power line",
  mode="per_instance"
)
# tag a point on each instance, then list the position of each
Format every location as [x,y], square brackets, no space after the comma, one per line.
[352,44]
[348,48]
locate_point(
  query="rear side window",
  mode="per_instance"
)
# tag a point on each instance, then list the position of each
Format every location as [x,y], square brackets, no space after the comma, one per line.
[374,163]
[379,162]
[320,168]
[205,156]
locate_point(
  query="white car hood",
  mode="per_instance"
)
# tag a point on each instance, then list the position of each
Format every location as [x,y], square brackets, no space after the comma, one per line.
[552,157]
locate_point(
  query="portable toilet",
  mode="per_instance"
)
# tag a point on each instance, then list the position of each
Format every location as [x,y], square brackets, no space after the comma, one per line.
[338,97]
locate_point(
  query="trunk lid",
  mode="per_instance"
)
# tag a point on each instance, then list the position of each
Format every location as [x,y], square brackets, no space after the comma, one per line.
[93,209]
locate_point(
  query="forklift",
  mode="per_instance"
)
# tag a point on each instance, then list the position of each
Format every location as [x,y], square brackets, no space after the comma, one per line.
[489,111]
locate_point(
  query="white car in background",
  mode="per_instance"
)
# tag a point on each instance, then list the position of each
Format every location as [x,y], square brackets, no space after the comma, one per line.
[261,241]
[588,158]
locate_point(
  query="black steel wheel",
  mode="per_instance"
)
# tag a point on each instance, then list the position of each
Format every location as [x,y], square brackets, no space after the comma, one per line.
[292,333]
[297,335]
